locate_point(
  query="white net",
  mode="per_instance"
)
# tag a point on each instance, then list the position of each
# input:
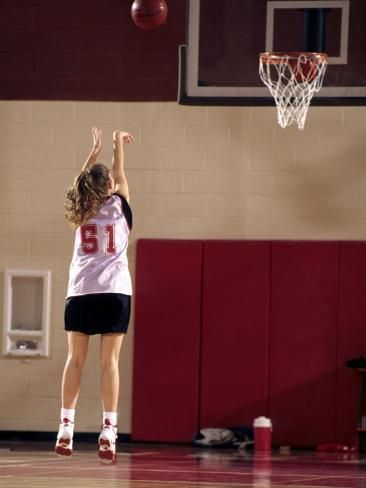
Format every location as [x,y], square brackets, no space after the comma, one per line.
[292,80]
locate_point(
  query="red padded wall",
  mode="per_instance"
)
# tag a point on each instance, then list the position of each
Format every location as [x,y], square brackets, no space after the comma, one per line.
[234,351]
[303,342]
[351,335]
[228,330]
[167,332]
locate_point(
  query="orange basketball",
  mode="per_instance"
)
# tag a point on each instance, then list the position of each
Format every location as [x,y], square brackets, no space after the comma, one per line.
[149,14]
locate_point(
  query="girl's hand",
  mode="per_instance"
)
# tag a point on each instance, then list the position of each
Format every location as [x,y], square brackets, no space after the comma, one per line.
[97,140]
[122,136]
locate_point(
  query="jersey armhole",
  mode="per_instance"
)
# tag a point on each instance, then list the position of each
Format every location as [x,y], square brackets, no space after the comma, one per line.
[126,210]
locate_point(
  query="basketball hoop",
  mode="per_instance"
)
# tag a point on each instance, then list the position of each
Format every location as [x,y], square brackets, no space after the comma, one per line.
[292,78]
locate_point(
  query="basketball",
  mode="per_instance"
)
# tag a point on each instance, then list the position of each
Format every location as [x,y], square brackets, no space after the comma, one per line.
[149,14]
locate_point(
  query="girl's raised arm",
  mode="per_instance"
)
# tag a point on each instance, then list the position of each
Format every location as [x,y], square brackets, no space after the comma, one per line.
[118,173]
[97,147]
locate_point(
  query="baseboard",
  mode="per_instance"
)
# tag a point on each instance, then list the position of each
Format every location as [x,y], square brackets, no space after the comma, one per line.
[34,436]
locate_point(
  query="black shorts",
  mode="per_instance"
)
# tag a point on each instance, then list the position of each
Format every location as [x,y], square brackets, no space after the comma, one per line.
[98,313]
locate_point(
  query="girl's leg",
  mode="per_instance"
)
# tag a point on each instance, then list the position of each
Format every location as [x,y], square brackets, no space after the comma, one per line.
[71,380]
[110,348]
[78,348]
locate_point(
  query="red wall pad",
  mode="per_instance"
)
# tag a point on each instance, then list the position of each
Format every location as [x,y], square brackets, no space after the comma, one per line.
[234,364]
[303,342]
[166,340]
[352,334]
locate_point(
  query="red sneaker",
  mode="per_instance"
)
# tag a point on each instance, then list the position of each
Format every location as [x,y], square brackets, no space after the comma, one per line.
[107,443]
[64,438]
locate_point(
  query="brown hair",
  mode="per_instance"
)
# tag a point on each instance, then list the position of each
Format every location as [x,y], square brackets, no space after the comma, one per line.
[86,195]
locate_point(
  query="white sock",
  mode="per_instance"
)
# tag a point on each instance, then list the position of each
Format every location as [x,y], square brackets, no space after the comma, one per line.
[68,413]
[111,416]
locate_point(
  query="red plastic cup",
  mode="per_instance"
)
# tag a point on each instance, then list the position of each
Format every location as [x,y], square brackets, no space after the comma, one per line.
[262,434]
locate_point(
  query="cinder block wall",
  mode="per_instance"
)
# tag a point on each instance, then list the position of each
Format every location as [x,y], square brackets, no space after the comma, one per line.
[194,172]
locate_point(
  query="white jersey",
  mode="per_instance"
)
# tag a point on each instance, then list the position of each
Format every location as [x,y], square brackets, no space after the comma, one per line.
[99,263]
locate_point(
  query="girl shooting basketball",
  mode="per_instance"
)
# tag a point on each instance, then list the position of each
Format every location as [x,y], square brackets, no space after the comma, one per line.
[99,288]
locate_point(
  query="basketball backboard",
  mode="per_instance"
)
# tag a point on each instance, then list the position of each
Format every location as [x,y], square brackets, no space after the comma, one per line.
[219,62]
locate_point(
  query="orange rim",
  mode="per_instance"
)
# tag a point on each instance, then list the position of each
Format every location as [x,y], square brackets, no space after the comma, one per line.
[278,57]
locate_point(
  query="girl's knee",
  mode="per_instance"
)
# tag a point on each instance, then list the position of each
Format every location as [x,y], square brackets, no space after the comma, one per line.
[76,361]
[108,363]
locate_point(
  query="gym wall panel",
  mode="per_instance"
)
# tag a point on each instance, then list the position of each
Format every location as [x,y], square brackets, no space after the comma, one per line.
[351,335]
[303,342]
[166,340]
[235,330]
[87,50]
[246,328]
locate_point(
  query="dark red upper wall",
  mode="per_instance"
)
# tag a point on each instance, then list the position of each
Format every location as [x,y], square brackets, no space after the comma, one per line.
[87,50]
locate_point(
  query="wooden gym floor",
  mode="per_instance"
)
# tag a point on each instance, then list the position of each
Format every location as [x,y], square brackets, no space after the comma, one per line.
[152,466]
